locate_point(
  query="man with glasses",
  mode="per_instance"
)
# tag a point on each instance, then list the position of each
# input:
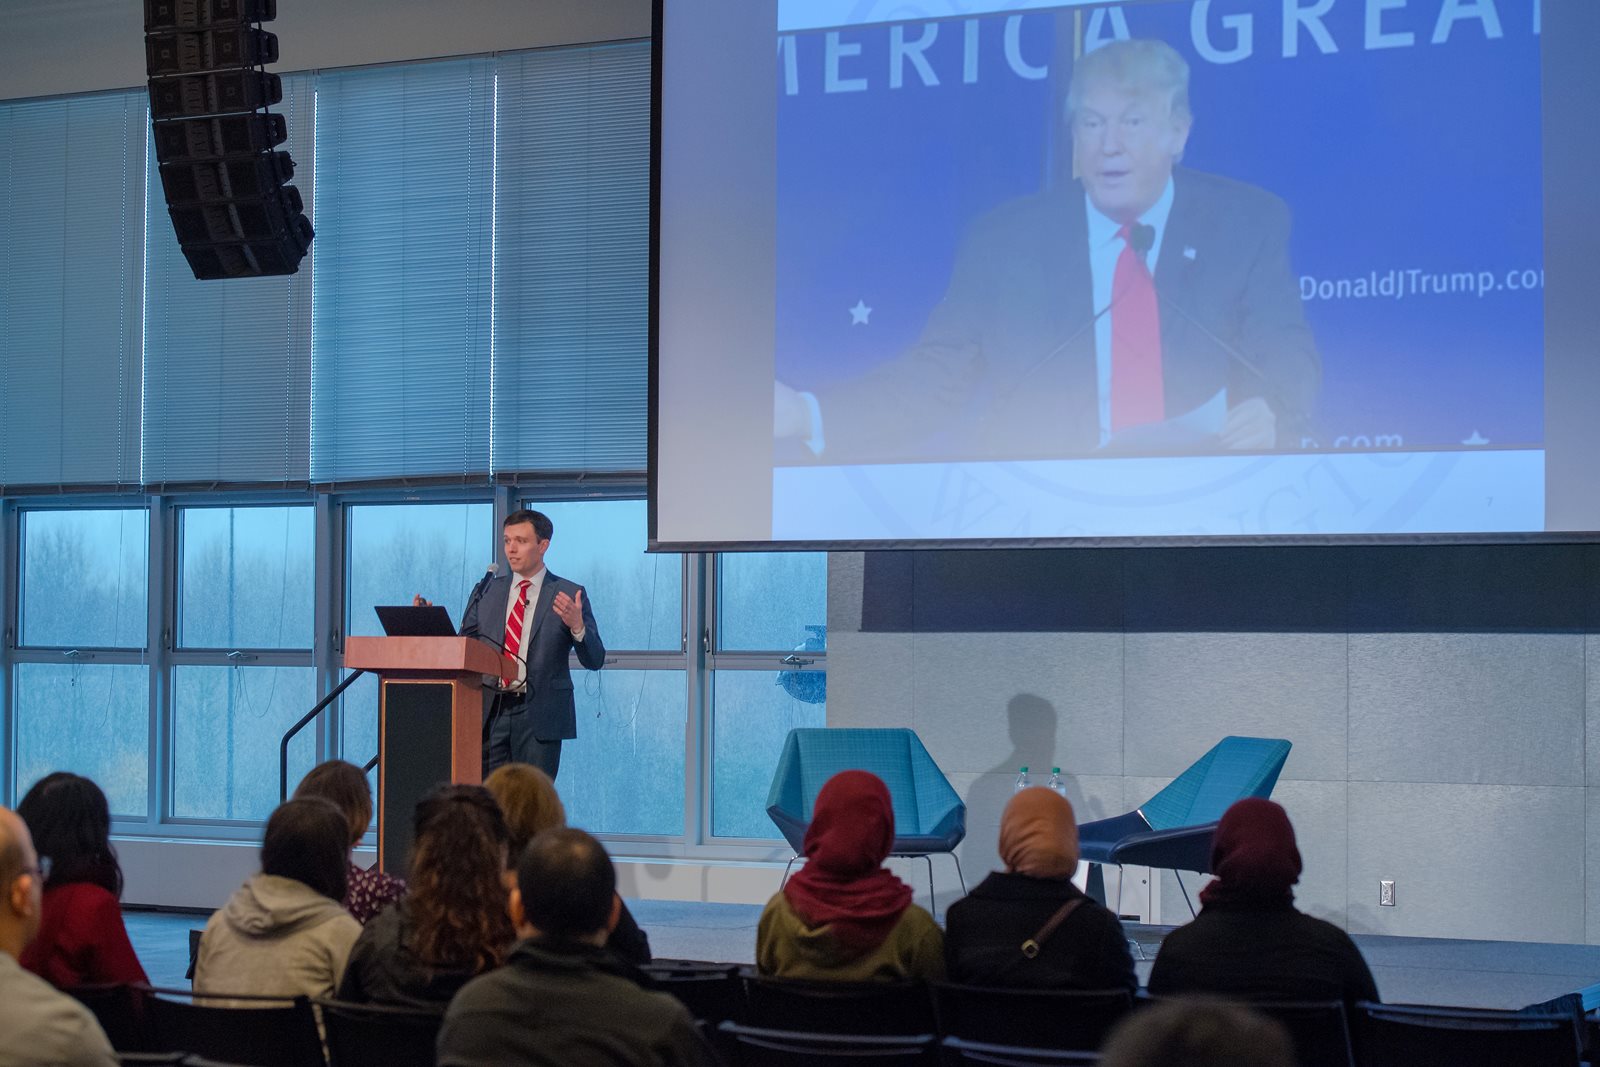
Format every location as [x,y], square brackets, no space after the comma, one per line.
[39,1026]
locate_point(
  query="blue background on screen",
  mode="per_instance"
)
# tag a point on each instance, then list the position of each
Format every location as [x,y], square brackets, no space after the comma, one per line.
[1424,157]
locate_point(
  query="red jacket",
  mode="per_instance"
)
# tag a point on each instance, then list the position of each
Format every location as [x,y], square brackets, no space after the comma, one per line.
[81,939]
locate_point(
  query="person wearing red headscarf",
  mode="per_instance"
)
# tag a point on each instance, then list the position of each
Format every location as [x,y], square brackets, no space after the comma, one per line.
[1249,941]
[843,917]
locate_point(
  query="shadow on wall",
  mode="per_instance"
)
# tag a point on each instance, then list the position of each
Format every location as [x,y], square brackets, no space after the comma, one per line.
[1032,723]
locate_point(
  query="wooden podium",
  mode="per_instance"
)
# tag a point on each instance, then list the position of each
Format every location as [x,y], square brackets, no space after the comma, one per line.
[430,723]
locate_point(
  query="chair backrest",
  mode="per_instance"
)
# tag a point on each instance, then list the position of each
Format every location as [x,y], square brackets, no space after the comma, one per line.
[281,1033]
[120,1011]
[839,1007]
[713,992]
[1390,1035]
[1318,1028]
[1061,1019]
[958,1051]
[374,1035]
[1235,768]
[924,800]
[747,1046]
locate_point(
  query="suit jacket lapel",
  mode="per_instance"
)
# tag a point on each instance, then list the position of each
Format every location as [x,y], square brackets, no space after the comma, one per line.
[492,608]
[1175,273]
[1068,267]
[547,594]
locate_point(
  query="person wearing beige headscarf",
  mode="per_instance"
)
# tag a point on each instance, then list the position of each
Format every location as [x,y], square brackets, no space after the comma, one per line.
[992,936]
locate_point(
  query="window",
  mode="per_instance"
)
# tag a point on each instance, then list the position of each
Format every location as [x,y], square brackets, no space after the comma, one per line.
[638,595]
[84,577]
[394,552]
[247,578]
[89,718]
[227,723]
[769,676]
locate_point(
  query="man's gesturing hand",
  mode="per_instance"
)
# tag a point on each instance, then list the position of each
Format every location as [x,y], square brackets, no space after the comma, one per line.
[570,610]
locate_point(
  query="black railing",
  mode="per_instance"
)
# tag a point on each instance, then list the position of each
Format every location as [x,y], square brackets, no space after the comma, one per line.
[305,720]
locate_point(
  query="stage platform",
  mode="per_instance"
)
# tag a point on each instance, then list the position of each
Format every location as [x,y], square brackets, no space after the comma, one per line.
[1412,970]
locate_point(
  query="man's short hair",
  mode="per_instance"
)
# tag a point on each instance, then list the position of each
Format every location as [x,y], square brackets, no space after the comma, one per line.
[1197,1032]
[567,884]
[543,528]
[308,840]
[1143,64]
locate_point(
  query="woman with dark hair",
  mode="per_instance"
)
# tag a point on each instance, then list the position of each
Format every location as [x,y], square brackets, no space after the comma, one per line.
[367,891]
[1249,941]
[453,924]
[81,939]
[527,797]
[844,916]
[1076,943]
[284,932]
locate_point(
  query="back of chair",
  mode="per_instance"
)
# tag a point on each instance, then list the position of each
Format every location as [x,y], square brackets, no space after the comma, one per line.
[1390,1035]
[958,1052]
[120,1011]
[839,1007]
[281,1033]
[713,992]
[1318,1028]
[371,1035]
[1061,1019]
[1235,768]
[747,1046]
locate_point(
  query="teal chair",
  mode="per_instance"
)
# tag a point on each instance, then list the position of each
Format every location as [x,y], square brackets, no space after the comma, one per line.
[1173,829]
[929,817]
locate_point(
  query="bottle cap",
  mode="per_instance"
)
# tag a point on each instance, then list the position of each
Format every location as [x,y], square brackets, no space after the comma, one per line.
[1055,770]
[1024,770]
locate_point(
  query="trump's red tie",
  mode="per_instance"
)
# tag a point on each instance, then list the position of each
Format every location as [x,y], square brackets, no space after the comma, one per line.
[513,640]
[1137,393]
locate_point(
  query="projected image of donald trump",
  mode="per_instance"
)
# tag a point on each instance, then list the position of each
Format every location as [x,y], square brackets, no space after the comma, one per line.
[1138,308]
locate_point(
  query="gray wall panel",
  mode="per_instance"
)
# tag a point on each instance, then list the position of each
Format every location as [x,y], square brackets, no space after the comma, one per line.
[881,680]
[1503,709]
[994,702]
[1592,866]
[844,592]
[1187,691]
[1489,862]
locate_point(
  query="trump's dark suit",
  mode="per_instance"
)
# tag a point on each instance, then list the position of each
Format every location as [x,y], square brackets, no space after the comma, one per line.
[546,712]
[1005,368]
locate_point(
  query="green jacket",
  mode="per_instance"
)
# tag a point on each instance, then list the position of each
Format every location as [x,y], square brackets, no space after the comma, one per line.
[787,948]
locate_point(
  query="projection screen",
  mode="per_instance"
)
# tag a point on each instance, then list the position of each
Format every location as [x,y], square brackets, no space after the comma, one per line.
[999,272]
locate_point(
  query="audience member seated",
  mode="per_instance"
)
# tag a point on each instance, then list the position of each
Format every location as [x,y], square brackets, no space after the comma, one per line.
[1077,942]
[1249,941]
[561,999]
[284,932]
[1197,1032]
[843,916]
[39,1026]
[81,939]
[454,922]
[367,892]
[531,805]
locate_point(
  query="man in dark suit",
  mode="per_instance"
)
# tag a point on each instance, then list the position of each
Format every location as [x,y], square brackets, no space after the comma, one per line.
[1087,316]
[537,618]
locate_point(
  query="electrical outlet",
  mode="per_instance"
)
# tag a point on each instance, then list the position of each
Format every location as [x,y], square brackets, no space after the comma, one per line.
[1386,893]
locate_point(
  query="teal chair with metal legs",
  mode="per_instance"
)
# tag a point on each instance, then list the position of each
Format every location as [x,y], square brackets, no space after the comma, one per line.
[929,817]
[1173,829]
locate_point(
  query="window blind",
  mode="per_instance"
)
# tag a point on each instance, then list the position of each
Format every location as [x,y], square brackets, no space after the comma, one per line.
[572,241]
[71,248]
[401,283]
[228,362]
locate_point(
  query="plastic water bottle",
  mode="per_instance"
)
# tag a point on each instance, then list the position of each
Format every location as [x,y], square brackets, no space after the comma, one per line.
[1057,783]
[1022,780]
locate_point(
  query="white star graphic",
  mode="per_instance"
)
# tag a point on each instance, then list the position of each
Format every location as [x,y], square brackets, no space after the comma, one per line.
[860,313]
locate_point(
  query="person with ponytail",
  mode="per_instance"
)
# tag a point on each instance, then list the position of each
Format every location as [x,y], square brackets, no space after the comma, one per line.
[453,923]
[843,916]
[82,939]
[1249,941]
